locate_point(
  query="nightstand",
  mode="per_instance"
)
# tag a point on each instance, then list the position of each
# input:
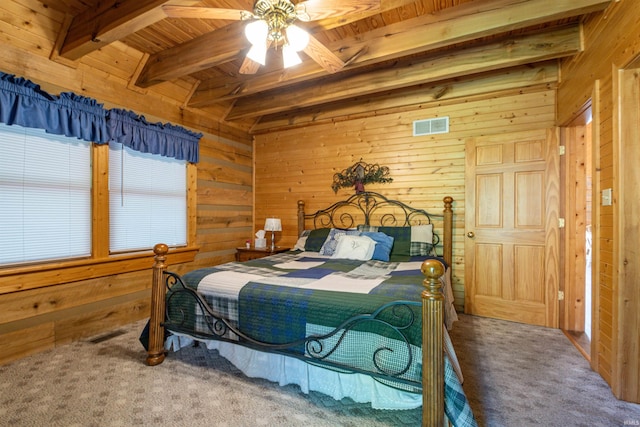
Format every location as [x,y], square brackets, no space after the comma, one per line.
[245,254]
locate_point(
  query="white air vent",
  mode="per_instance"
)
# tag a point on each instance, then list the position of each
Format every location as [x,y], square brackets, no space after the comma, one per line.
[431,126]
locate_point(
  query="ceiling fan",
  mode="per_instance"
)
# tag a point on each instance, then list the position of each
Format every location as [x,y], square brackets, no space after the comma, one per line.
[273,24]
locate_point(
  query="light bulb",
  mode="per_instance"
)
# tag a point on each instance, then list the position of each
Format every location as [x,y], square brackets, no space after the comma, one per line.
[297,37]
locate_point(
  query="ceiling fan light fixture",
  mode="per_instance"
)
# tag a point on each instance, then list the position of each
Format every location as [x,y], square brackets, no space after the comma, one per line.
[258,53]
[297,37]
[257,32]
[290,57]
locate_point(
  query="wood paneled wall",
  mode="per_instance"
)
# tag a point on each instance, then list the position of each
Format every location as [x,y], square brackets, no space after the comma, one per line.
[47,305]
[299,163]
[612,42]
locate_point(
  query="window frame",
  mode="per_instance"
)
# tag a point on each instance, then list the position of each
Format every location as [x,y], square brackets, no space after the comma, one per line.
[101,263]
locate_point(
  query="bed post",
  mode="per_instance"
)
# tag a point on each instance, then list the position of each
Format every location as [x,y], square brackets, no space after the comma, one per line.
[432,344]
[155,353]
[300,217]
[447,240]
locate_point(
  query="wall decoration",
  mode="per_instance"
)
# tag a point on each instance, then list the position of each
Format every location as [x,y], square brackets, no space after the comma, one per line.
[359,174]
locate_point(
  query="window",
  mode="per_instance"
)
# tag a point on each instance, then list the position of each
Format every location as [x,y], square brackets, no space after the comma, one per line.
[147,200]
[45,188]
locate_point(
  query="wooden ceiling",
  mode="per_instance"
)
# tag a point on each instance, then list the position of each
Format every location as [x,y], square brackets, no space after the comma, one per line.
[400,45]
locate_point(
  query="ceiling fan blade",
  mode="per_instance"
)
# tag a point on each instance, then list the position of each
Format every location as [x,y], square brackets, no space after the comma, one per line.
[205,13]
[323,56]
[313,10]
[249,66]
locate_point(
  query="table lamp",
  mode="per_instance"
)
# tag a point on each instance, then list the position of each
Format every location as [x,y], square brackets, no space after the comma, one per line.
[273,225]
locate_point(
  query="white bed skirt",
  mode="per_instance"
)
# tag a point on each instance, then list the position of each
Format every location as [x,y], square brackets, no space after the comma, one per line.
[290,370]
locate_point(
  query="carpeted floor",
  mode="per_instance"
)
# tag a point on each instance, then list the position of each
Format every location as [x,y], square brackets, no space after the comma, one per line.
[523,375]
[515,375]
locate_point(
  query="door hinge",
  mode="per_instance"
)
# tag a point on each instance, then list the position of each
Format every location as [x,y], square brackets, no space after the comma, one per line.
[560,295]
[560,222]
[562,150]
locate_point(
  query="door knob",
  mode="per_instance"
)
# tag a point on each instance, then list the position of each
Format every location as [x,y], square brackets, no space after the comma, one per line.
[471,235]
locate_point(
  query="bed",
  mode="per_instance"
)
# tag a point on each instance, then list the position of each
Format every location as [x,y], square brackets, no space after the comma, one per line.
[359,308]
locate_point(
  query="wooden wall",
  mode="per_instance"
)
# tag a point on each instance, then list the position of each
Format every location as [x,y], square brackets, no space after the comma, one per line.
[299,162]
[612,42]
[43,306]
[295,158]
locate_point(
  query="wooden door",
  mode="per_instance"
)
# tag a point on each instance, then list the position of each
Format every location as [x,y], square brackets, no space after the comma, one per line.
[511,221]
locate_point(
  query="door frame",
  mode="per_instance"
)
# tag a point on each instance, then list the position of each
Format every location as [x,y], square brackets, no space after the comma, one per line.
[568,211]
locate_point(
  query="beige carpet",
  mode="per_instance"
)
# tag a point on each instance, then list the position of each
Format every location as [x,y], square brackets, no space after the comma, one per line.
[515,375]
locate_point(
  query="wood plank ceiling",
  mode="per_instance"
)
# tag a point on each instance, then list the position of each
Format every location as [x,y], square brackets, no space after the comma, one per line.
[400,45]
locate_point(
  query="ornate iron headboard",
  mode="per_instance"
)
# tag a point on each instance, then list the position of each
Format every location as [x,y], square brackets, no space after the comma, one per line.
[367,208]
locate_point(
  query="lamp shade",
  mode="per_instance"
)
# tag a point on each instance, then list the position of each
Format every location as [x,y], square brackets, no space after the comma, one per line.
[258,53]
[290,57]
[257,32]
[297,37]
[273,224]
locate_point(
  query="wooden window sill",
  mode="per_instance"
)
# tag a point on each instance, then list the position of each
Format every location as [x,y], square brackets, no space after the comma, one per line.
[19,278]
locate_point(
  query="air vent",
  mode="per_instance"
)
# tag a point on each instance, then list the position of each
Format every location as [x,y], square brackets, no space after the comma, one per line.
[431,126]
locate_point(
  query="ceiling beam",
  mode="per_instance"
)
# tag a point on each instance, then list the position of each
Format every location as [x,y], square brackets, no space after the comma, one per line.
[544,74]
[222,45]
[339,21]
[466,22]
[516,51]
[112,20]
[462,23]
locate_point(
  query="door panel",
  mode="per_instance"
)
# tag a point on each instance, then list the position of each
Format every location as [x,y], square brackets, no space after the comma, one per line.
[529,193]
[511,224]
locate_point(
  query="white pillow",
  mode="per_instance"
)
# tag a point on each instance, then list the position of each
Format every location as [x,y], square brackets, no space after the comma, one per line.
[422,233]
[354,247]
[329,245]
[300,243]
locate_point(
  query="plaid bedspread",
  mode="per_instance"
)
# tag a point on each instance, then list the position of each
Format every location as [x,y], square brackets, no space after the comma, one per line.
[290,296]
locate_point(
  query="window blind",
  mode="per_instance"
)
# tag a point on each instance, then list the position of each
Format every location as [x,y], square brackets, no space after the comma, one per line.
[147,199]
[45,188]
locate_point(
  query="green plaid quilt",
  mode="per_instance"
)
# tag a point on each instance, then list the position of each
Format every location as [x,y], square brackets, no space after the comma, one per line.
[290,296]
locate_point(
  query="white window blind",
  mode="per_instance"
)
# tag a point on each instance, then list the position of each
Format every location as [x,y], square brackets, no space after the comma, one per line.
[45,191]
[147,200]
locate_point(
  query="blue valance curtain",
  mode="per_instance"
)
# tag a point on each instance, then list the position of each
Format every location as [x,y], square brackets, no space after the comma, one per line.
[24,103]
[167,140]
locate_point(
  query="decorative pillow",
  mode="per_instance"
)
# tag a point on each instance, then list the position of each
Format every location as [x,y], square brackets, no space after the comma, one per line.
[316,239]
[421,239]
[383,247]
[401,250]
[329,245]
[354,247]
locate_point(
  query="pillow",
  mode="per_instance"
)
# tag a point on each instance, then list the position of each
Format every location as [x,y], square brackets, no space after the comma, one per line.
[383,247]
[316,239]
[421,240]
[354,247]
[401,250]
[329,245]
[300,243]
